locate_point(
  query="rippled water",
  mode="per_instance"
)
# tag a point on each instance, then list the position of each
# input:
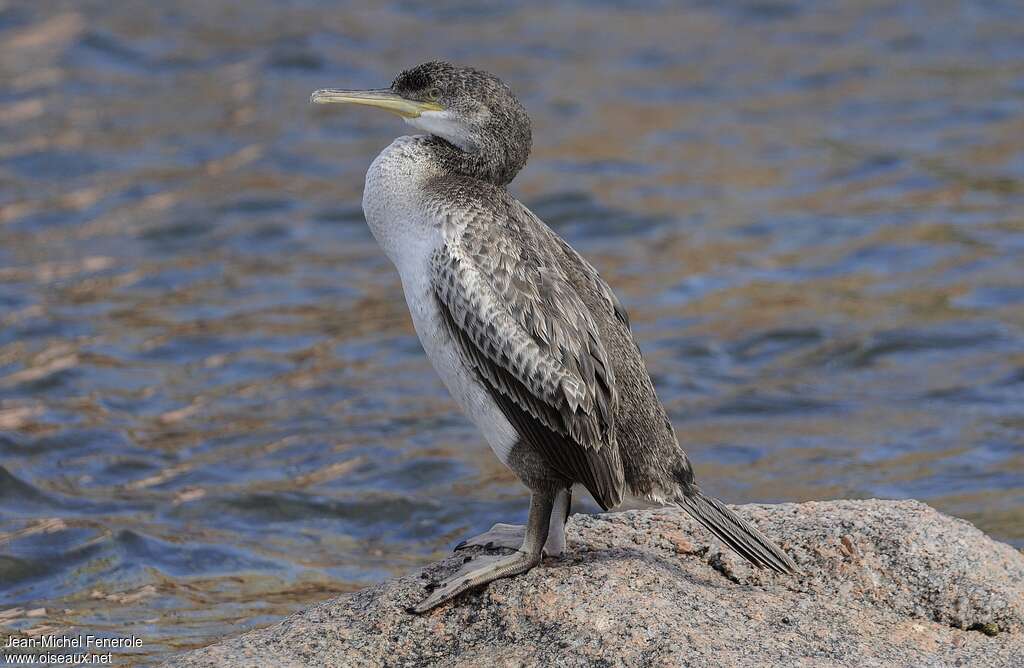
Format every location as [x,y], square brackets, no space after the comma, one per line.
[213,408]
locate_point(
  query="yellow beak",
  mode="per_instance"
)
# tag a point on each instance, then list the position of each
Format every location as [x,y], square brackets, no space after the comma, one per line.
[384,98]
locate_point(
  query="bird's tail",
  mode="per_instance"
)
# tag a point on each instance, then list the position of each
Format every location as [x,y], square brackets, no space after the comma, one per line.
[735,532]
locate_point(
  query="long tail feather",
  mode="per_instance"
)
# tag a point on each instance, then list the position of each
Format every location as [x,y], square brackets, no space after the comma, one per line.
[735,532]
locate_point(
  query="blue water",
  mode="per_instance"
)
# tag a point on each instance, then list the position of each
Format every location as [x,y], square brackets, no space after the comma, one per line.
[214,410]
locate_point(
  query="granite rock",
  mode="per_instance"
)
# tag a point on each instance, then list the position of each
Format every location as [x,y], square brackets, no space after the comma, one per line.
[884,583]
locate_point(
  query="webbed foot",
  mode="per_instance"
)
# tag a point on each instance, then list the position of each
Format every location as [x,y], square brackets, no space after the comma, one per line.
[481,569]
[508,536]
[475,572]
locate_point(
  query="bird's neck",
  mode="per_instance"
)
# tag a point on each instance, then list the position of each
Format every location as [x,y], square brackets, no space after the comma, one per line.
[495,160]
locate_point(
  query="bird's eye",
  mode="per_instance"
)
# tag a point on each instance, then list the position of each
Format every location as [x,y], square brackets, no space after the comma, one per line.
[433,94]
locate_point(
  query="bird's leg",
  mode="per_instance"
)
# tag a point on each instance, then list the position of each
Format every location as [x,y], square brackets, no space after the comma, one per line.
[555,544]
[510,536]
[481,569]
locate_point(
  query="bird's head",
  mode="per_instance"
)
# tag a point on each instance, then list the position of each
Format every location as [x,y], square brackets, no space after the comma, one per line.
[470,109]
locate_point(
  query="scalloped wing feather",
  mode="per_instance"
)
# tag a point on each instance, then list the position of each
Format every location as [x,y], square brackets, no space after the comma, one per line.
[532,340]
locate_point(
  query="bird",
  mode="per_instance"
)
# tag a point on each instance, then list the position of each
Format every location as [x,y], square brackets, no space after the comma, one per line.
[529,339]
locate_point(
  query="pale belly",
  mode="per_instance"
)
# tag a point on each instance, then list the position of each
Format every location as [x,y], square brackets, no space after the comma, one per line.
[400,221]
[460,380]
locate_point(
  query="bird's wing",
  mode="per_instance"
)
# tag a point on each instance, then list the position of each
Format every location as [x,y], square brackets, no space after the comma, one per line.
[574,262]
[534,344]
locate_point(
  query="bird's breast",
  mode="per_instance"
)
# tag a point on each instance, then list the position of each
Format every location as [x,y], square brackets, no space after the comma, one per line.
[409,231]
[395,205]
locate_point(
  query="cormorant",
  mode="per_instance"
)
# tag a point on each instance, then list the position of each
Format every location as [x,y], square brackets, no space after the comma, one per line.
[529,339]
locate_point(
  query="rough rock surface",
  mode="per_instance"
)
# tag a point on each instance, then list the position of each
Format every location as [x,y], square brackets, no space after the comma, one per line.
[885,584]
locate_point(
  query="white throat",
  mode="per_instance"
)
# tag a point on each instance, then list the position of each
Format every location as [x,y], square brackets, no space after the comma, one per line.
[446,126]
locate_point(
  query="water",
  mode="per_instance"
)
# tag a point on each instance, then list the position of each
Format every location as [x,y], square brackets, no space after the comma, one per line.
[213,408]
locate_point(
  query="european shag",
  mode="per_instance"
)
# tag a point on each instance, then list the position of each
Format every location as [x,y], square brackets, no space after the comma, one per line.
[529,339]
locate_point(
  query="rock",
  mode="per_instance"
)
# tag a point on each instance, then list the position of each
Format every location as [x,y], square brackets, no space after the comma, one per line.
[885,583]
